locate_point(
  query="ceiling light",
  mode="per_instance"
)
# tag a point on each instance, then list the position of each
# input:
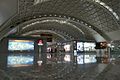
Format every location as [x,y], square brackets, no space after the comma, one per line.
[59,15]
[50,15]
[90,26]
[78,20]
[45,15]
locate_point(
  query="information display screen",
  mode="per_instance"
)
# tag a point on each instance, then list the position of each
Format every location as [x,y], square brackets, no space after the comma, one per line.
[22,45]
[85,46]
[89,46]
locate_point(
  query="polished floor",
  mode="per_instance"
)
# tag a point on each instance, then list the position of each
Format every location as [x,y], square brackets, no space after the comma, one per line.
[65,71]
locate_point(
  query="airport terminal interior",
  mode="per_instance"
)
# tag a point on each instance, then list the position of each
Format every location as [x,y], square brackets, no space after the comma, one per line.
[59,39]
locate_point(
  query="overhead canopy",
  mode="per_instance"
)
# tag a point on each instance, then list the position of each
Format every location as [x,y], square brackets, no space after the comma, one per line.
[76,19]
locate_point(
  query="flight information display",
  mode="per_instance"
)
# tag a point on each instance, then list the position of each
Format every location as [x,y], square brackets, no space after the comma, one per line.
[20,45]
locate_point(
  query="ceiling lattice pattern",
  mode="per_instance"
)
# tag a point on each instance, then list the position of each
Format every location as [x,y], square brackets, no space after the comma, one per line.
[114,4]
[84,10]
[61,28]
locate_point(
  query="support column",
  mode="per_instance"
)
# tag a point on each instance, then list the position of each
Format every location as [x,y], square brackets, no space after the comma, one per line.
[3,53]
[75,52]
[43,52]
